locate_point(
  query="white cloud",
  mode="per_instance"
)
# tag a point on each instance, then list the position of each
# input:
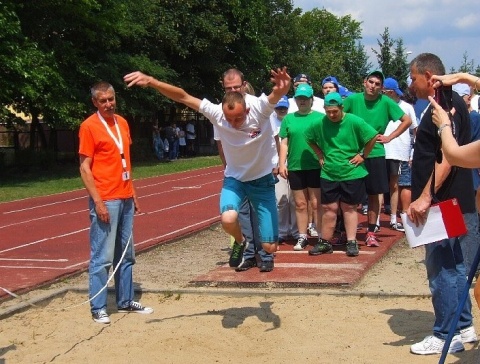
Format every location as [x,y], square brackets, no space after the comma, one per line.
[447,28]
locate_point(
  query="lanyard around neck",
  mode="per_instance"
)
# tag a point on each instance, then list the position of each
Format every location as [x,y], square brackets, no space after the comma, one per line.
[118,141]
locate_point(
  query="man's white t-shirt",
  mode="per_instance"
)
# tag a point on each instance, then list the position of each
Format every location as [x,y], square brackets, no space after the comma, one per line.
[474,102]
[249,151]
[317,105]
[400,147]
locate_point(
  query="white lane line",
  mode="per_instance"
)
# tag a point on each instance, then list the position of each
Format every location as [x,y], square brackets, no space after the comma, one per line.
[42,206]
[43,240]
[33,260]
[183,204]
[173,188]
[31,220]
[178,179]
[371,252]
[156,238]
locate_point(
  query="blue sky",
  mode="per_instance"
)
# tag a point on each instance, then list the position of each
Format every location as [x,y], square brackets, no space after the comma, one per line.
[446,28]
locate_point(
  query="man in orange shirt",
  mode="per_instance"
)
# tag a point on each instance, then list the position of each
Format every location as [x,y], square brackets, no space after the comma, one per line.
[106,173]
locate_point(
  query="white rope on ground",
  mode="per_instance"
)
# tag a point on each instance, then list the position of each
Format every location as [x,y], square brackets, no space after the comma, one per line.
[87,301]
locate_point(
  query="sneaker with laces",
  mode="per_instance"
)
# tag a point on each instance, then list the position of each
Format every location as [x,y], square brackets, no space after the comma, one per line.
[397,226]
[236,256]
[371,240]
[468,335]
[312,231]
[434,345]
[302,243]
[266,266]
[136,307]
[352,248]
[101,317]
[364,210]
[322,247]
[246,265]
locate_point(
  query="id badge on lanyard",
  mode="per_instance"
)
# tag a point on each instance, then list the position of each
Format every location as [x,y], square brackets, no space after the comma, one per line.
[119,143]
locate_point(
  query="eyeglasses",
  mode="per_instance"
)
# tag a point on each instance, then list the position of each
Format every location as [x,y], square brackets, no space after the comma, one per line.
[233,88]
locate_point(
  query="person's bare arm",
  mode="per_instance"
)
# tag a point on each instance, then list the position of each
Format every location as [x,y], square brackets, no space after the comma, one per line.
[172,92]
[87,178]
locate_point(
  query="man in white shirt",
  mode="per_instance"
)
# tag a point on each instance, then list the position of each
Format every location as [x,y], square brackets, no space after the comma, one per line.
[246,136]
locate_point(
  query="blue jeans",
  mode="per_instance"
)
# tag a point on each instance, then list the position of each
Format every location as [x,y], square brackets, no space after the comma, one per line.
[470,242]
[249,224]
[261,194]
[107,243]
[447,279]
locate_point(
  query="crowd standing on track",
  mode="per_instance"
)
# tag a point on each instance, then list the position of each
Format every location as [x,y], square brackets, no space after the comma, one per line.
[105,170]
[246,133]
[434,179]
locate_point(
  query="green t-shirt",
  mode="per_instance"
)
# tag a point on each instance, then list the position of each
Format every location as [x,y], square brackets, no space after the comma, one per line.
[376,113]
[300,156]
[339,143]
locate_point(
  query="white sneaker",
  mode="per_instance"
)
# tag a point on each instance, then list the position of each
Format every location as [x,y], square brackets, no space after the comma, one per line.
[468,335]
[302,243]
[312,231]
[434,345]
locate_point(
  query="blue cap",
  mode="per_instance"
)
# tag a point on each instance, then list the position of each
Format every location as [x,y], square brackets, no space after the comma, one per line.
[392,84]
[344,92]
[283,102]
[330,79]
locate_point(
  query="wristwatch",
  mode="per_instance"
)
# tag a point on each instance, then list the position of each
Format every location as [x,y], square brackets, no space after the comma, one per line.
[440,129]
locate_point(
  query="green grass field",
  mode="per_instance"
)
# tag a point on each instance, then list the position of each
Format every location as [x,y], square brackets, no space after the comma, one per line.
[66,177]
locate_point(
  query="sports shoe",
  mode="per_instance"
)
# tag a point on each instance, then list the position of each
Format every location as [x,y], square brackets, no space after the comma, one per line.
[302,243]
[377,229]
[246,265]
[312,231]
[371,240]
[236,256]
[136,307]
[434,345]
[352,248]
[468,335]
[323,247]
[397,226]
[364,210]
[266,266]
[101,317]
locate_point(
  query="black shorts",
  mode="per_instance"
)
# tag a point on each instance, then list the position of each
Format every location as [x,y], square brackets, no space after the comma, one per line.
[377,180]
[350,192]
[393,167]
[301,180]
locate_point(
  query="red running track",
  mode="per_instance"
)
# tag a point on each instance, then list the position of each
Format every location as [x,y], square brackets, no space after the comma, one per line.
[43,239]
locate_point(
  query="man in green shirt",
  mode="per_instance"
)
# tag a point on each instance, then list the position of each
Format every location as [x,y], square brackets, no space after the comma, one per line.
[338,139]
[377,110]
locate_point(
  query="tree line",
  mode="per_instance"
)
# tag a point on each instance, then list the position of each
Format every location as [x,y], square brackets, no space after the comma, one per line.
[52,51]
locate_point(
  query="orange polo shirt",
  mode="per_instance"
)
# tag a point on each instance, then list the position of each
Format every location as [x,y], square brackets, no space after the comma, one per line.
[96,143]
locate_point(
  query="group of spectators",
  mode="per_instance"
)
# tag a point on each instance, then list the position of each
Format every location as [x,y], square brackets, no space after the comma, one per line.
[173,142]
[328,160]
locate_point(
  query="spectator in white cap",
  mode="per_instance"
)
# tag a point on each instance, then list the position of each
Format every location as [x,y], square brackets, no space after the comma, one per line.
[398,156]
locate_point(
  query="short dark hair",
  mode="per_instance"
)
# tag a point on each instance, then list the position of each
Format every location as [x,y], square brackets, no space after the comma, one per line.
[231,98]
[428,62]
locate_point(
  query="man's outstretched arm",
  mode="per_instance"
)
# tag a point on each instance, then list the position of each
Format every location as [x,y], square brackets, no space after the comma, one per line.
[172,92]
